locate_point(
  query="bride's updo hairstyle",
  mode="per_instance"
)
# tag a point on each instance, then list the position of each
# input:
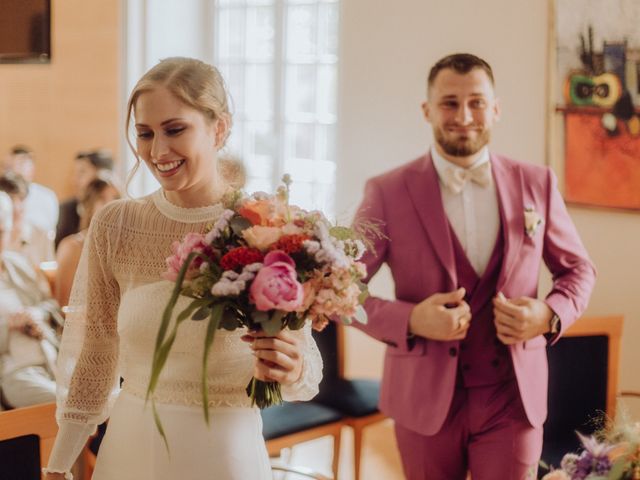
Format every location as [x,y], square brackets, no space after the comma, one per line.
[193,82]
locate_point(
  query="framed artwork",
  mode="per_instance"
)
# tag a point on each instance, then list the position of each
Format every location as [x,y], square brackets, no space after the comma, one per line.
[594,101]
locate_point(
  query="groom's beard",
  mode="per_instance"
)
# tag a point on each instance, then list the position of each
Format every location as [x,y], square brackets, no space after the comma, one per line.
[462,147]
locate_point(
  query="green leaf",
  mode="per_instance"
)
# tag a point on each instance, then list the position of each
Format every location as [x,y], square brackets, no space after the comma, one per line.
[364,294]
[361,315]
[618,469]
[274,324]
[346,320]
[214,321]
[238,224]
[156,418]
[201,313]
[341,233]
[230,319]
[162,347]
[259,317]
[294,321]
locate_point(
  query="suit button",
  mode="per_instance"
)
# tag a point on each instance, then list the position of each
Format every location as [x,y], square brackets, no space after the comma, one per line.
[495,362]
[466,367]
[453,351]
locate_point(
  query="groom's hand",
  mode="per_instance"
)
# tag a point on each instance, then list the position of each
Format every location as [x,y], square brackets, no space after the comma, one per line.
[520,319]
[442,316]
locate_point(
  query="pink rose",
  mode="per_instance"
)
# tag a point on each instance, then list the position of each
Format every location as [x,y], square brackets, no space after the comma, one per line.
[275,286]
[192,242]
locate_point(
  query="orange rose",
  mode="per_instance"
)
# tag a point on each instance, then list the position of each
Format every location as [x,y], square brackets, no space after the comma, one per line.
[258,212]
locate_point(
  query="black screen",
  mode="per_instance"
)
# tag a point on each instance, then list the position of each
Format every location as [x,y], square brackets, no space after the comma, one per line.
[25,31]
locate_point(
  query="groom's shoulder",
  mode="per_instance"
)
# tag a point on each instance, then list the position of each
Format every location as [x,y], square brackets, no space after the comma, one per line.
[526,166]
[531,171]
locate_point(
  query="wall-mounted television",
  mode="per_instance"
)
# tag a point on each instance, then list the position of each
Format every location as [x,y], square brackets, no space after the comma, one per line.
[25,31]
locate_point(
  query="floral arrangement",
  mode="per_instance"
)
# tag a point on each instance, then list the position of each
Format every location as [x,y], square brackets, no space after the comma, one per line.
[263,265]
[615,456]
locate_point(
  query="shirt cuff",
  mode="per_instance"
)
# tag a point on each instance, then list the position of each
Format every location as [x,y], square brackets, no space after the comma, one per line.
[69,442]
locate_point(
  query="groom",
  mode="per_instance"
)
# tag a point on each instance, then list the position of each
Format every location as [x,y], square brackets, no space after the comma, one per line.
[464,233]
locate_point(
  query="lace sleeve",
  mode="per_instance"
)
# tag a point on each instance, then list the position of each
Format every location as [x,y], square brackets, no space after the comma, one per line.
[307,385]
[87,374]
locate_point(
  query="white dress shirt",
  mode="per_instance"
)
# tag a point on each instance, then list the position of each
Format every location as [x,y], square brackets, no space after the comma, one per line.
[473,213]
[41,207]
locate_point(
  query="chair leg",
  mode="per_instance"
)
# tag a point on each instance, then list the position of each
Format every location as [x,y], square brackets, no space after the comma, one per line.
[336,454]
[357,450]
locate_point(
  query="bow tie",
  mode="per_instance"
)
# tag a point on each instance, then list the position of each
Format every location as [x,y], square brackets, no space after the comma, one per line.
[455,178]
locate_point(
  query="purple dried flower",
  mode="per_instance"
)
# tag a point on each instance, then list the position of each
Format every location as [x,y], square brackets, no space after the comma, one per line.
[583,465]
[602,466]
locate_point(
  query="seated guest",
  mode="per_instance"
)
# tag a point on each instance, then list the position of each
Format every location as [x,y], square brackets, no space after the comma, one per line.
[98,193]
[28,239]
[41,204]
[88,165]
[29,325]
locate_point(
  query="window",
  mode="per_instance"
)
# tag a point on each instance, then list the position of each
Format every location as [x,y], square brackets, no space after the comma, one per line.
[279,58]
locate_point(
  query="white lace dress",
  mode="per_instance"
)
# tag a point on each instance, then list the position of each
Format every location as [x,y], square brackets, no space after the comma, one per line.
[115,310]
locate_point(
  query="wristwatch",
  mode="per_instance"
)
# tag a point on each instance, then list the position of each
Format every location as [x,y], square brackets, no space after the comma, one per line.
[554,324]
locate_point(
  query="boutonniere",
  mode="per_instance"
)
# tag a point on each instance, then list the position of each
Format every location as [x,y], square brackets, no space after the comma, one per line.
[532,221]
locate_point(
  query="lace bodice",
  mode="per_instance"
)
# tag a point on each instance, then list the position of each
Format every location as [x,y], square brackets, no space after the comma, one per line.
[115,309]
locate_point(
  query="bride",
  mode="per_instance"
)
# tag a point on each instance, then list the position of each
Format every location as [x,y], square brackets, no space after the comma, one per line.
[182,120]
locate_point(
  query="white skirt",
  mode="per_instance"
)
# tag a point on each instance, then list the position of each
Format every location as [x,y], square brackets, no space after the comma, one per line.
[230,448]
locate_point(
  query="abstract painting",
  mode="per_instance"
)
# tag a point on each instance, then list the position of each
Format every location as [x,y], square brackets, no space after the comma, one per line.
[595,101]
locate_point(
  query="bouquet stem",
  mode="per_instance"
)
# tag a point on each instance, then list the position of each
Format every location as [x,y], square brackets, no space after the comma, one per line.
[264,394]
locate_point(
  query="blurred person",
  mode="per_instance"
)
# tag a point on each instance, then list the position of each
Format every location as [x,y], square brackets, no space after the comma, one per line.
[97,194]
[41,204]
[88,166]
[29,324]
[232,170]
[26,238]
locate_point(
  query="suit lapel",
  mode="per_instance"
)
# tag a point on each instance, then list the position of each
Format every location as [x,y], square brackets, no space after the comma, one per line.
[508,179]
[424,192]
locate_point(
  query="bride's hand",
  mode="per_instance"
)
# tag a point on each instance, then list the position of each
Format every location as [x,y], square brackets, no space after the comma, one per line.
[279,358]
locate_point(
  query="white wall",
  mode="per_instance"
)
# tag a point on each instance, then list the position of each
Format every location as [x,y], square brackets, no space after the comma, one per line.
[387,50]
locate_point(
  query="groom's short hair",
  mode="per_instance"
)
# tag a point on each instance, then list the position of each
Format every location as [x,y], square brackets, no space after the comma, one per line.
[460,63]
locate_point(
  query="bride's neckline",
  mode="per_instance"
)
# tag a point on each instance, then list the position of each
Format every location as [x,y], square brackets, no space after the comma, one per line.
[184,214]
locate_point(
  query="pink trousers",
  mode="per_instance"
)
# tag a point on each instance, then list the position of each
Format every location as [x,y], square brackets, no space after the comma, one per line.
[486,433]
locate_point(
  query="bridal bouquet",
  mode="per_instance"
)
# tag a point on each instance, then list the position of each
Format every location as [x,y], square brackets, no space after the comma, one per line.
[263,265]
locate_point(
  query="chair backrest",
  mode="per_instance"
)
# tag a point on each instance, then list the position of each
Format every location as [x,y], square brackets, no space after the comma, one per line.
[583,382]
[17,424]
[330,344]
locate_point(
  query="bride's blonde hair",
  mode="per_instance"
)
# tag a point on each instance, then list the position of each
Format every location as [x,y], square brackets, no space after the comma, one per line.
[193,82]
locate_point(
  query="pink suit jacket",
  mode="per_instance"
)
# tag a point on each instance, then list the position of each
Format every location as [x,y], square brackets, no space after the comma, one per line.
[419,375]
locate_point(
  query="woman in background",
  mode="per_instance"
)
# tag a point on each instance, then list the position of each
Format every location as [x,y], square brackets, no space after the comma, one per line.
[97,194]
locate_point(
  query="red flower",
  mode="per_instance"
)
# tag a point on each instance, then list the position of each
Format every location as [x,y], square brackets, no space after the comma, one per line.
[290,243]
[239,257]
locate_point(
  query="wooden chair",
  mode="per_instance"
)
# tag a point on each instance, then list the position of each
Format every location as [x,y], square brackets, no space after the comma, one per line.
[583,383]
[295,422]
[356,399]
[298,471]
[38,420]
